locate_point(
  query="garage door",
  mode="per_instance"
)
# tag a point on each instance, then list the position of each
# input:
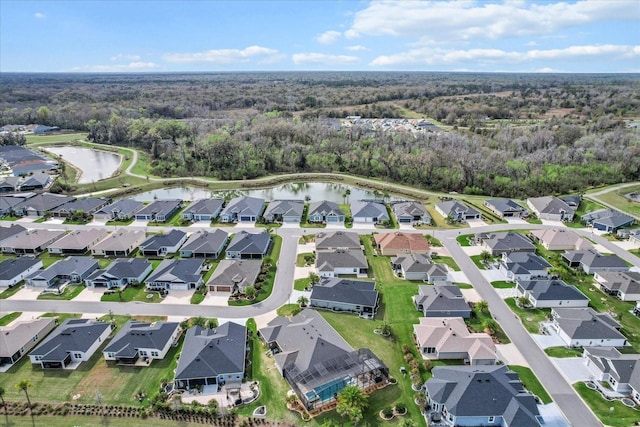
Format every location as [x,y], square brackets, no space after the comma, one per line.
[291,219]
[332,219]
[220,288]
[404,220]
[245,218]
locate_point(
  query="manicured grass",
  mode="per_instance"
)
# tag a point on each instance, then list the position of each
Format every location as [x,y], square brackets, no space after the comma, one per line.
[33,139]
[288,310]
[477,324]
[132,293]
[536,315]
[463,240]
[11,291]
[448,261]
[563,352]
[306,224]
[433,241]
[301,259]
[477,260]
[487,216]
[502,284]
[63,316]
[92,421]
[267,287]
[301,284]
[197,297]
[621,416]
[127,222]
[463,285]
[5,320]
[616,198]
[534,221]
[48,259]
[586,205]
[532,384]
[69,293]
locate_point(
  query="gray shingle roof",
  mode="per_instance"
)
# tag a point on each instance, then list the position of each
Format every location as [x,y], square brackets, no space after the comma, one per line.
[369,209]
[236,273]
[608,217]
[284,208]
[119,240]
[10,268]
[72,335]
[208,353]
[627,282]
[80,265]
[338,239]
[158,241]
[325,207]
[453,207]
[123,268]
[357,292]
[87,205]
[79,239]
[441,298]
[39,179]
[550,205]
[505,205]
[585,323]
[524,261]
[546,290]
[43,202]
[33,239]
[204,241]
[340,258]
[593,259]
[508,242]
[410,208]
[160,207]
[250,243]
[483,391]
[125,207]
[135,335]
[413,263]
[12,230]
[204,207]
[244,206]
[177,270]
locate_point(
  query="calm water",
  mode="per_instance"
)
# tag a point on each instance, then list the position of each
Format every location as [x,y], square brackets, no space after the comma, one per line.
[94,164]
[317,191]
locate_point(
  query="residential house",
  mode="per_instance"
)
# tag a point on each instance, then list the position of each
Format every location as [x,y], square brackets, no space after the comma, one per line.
[9,184]
[584,327]
[233,276]
[325,212]
[14,270]
[505,242]
[608,220]
[457,211]
[37,181]
[316,361]
[441,300]
[120,210]
[138,343]
[634,383]
[119,243]
[212,358]
[625,233]
[356,296]
[205,244]
[203,210]
[608,365]
[592,261]
[551,293]
[636,309]
[369,211]
[9,202]
[412,266]
[518,266]
[560,240]
[40,204]
[624,285]
[176,275]
[441,338]
[70,344]
[120,273]
[338,240]
[242,209]
[32,242]
[437,273]
[73,269]
[551,208]
[77,242]
[480,396]
[284,211]
[160,245]
[341,262]
[20,337]
[245,245]
[505,208]
[411,212]
[88,206]
[158,210]
[572,200]
[6,233]
[393,244]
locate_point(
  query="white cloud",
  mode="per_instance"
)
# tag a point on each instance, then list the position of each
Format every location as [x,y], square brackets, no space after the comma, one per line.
[122,56]
[39,15]
[439,56]
[328,37]
[546,70]
[460,21]
[324,59]
[222,56]
[357,48]
[132,66]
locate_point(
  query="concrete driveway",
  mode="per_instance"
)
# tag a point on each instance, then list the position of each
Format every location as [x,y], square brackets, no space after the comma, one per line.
[493,275]
[90,294]
[552,415]
[510,355]
[546,341]
[201,224]
[458,276]
[363,226]
[216,299]
[54,221]
[27,293]
[473,250]
[516,221]
[572,369]
[178,297]
[476,223]
[471,295]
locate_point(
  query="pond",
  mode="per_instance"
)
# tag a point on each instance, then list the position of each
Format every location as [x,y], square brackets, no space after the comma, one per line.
[316,191]
[93,165]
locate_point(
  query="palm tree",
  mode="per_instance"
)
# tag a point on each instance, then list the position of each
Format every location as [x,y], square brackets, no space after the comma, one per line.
[490,326]
[313,278]
[525,302]
[485,256]
[24,386]
[482,306]
[347,193]
[351,402]
[384,328]
[6,414]
[303,301]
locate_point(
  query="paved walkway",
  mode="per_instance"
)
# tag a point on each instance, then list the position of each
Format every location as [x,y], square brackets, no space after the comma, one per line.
[546,341]
[510,355]
[473,250]
[471,295]
[572,369]
[508,293]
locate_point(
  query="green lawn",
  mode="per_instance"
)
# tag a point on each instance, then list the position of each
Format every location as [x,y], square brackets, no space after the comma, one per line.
[463,240]
[563,352]
[301,259]
[301,284]
[463,285]
[502,284]
[477,260]
[534,221]
[63,316]
[5,320]
[91,421]
[127,222]
[477,324]
[288,310]
[586,205]
[69,293]
[530,318]
[616,198]
[532,384]
[48,259]
[621,416]
[48,139]
[132,293]
[448,261]
[487,216]
[11,291]
[198,296]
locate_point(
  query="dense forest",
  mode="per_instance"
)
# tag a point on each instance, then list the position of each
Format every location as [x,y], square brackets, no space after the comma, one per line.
[498,134]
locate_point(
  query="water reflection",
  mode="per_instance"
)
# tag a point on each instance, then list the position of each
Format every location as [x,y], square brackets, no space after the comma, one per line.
[94,165]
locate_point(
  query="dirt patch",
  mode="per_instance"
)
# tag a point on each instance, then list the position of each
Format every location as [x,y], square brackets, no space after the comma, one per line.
[101,378]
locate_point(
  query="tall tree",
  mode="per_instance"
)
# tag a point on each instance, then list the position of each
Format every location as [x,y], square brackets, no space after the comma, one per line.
[24,385]
[352,402]
[6,413]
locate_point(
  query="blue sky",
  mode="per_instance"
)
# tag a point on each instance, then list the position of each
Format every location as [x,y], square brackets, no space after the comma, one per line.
[162,36]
